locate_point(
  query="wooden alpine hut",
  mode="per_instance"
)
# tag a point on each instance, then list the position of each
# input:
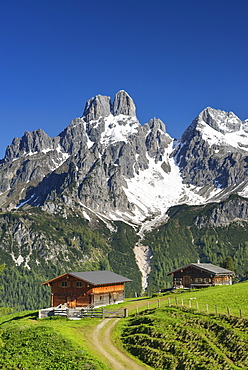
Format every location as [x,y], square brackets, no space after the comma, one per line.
[201,275]
[90,288]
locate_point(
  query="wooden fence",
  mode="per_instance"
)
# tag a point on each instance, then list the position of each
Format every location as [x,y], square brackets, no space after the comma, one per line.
[204,307]
[192,304]
[71,313]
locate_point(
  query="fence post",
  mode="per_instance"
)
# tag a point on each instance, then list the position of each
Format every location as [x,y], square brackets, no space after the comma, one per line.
[228,311]
[137,310]
[159,303]
[176,301]
[102,313]
[206,307]
[197,305]
[169,302]
[182,302]
[125,312]
[240,313]
[190,304]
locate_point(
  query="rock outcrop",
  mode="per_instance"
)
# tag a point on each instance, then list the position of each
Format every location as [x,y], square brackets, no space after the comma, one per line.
[108,163]
[123,104]
[213,151]
[223,214]
[97,107]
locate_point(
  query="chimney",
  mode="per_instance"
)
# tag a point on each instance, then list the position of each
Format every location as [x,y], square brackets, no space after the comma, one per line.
[198,261]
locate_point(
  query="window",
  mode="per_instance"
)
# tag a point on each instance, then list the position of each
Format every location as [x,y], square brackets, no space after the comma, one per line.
[64,284]
[198,280]
[79,284]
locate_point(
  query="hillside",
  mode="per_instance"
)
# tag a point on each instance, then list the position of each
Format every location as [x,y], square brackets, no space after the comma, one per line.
[37,246]
[111,193]
[164,337]
[169,338]
[51,245]
[208,233]
[182,334]
[31,344]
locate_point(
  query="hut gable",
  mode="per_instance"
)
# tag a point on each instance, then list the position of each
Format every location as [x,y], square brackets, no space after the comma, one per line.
[81,289]
[201,275]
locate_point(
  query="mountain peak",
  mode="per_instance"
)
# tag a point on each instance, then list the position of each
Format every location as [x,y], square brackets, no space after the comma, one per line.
[109,163]
[224,122]
[101,106]
[123,104]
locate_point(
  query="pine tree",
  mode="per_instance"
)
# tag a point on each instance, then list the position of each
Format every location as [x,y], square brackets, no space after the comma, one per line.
[229,263]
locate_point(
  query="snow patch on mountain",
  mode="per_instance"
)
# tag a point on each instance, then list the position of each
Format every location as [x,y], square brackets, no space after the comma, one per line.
[118,128]
[237,139]
[225,122]
[244,192]
[153,190]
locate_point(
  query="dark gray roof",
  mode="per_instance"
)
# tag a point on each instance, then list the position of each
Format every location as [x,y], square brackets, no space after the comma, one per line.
[100,277]
[215,270]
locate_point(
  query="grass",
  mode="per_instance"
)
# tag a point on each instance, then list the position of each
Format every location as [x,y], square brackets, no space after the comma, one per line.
[29,343]
[177,336]
[116,336]
[233,296]
[170,338]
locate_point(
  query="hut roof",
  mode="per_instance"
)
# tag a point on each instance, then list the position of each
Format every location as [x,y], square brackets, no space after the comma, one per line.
[95,277]
[209,267]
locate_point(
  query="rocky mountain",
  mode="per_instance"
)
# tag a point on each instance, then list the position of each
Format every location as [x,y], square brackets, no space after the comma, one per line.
[89,164]
[107,163]
[106,192]
[212,154]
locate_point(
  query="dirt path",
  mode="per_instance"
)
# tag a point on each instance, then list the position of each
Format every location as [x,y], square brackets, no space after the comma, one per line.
[100,341]
[114,358]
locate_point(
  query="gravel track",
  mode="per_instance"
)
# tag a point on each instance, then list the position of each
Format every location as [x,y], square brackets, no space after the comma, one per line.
[115,359]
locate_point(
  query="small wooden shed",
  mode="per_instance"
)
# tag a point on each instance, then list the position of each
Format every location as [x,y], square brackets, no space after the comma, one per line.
[81,289]
[201,275]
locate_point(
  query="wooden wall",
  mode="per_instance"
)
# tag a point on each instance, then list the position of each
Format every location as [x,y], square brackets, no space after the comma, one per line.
[222,280]
[193,276]
[65,290]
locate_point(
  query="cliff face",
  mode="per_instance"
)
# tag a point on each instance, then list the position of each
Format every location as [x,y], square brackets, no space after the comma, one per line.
[106,162]
[212,153]
[225,213]
[89,164]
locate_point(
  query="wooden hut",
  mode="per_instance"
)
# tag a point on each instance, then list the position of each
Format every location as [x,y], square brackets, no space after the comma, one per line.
[201,275]
[91,288]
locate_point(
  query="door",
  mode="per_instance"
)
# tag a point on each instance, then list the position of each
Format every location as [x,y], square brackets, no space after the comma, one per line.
[186,281]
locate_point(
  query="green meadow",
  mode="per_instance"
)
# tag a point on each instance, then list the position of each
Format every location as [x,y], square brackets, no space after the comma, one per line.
[191,329]
[169,331]
[171,338]
[29,343]
[220,298]
[229,299]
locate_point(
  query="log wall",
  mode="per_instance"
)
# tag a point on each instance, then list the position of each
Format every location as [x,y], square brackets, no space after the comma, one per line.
[77,293]
[190,277]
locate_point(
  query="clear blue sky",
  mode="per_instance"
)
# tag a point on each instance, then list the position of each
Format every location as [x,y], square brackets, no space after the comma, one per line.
[173,57]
